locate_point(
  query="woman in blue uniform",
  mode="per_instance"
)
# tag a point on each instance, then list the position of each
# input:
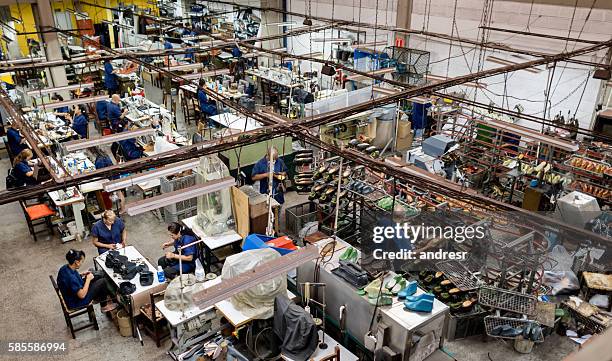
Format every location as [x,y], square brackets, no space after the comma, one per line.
[131,150]
[15,141]
[179,237]
[206,108]
[109,232]
[23,173]
[79,122]
[79,289]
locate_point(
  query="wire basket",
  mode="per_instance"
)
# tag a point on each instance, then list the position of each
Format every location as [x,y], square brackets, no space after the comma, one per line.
[507,300]
[491,322]
[590,323]
[458,274]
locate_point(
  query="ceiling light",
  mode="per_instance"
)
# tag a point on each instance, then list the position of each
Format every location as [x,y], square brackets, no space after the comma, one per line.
[122,183]
[88,143]
[180,195]
[60,88]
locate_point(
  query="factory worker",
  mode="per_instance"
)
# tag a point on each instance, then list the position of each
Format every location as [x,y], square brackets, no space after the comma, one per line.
[102,108]
[116,116]
[206,108]
[79,289]
[15,141]
[109,232]
[189,52]
[110,77]
[261,173]
[168,45]
[79,121]
[179,237]
[60,112]
[131,150]
[22,172]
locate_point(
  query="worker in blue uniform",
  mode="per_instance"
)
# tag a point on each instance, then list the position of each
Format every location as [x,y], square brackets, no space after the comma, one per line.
[16,142]
[111,82]
[207,109]
[22,171]
[79,289]
[261,173]
[179,237]
[60,112]
[109,232]
[131,150]
[419,117]
[79,121]
[116,116]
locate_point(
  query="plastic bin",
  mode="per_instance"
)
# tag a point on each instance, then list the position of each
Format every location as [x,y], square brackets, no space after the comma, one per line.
[168,185]
[258,241]
[297,216]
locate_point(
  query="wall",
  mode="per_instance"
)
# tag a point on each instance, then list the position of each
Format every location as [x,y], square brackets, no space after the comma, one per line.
[23,12]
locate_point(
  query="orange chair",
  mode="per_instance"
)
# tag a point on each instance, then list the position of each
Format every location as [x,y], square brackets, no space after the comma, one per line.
[37,215]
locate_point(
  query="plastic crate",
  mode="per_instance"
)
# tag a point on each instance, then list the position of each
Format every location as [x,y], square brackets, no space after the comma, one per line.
[466,325]
[177,183]
[297,216]
[175,217]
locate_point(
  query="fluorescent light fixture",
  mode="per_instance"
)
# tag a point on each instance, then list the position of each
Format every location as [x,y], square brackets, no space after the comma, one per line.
[88,143]
[24,61]
[265,271]
[60,88]
[122,183]
[531,134]
[205,74]
[180,195]
[287,23]
[71,102]
[332,40]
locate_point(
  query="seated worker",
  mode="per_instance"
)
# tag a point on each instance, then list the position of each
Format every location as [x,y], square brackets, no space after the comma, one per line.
[16,142]
[206,108]
[179,237]
[79,289]
[168,45]
[116,116]
[108,232]
[110,77]
[22,172]
[261,173]
[103,160]
[102,109]
[189,52]
[60,112]
[79,121]
[131,150]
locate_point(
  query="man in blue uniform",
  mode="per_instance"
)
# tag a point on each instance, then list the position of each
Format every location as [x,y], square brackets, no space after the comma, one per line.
[116,117]
[206,108]
[77,289]
[108,232]
[102,108]
[261,173]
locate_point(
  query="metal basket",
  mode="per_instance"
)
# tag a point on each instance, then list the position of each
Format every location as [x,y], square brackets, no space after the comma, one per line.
[590,323]
[169,185]
[297,216]
[507,300]
[458,274]
[492,322]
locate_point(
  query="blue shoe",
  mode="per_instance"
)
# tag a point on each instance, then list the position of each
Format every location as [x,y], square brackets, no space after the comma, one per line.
[422,296]
[408,290]
[423,305]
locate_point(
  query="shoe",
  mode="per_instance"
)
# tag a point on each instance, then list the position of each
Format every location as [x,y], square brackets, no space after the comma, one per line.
[422,296]
[511,332]
[498,330]
[409,290]
[392,282]
[400,285]
[347,254]
[423,305]
[384,300]
[109,307]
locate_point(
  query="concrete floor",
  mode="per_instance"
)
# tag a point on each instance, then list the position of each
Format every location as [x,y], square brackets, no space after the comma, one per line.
[30,309]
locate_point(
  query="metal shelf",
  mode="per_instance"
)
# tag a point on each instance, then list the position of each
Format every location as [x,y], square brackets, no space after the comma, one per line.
[507,300]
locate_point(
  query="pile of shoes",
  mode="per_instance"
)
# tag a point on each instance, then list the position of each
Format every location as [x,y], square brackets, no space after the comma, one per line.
[529,331]
[459,301]
[326,179]
[365,147]
[360,187]
[303,179]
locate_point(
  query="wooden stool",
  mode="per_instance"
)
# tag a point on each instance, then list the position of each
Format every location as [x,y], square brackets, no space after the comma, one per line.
[37,215]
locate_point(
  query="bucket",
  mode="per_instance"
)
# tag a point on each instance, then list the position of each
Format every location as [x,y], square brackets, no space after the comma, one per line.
[125,326]
[72,227]
[523,346]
